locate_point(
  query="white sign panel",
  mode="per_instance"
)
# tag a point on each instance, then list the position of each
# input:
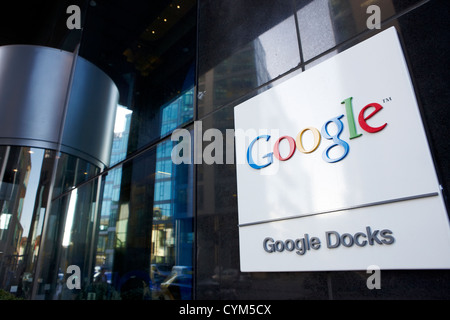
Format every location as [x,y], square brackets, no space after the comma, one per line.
[334,170]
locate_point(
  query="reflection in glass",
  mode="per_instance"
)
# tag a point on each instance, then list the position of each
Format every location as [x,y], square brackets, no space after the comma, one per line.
[324,24]
[316,29]
[121,134]
[232,78]
[23,188]
[177,112]
[25,180]
[152,63]
[69,219]
[252,43]
[144,235]
[74,244]
[281,52]
[72,171]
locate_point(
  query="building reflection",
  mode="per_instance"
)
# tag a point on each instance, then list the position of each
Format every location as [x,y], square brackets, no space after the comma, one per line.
[24,179]
[145,235]
[15,174]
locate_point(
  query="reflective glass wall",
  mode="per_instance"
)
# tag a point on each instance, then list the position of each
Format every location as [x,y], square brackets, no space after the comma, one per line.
[134,239]
[26,182]
[130,231]
[144,228]
[144,246]
[71,230]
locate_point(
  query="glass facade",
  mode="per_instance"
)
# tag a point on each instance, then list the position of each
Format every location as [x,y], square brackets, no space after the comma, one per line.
[125,231]
[25,192]
[145,228]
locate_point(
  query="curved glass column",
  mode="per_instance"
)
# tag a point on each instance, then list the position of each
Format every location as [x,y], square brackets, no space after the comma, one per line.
[56,133]
[24,190]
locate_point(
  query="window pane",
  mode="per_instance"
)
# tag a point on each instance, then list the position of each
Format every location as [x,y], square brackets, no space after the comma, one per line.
[148,49]
[324,24]
[143,245]
[24,184]
[243,45]
[68,245]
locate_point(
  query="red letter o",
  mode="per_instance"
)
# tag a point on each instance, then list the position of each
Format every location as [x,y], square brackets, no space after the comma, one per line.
[276,150]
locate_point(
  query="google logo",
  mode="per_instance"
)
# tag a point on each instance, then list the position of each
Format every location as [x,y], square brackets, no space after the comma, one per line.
[297,143]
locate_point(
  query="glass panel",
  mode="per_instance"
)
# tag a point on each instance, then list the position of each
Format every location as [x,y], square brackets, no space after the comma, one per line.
[241,47]
[48,274]
[110,231]
[148,49]
[153,228]
[68,248]
[25,176]
[71,172]
[348,44]
[121,134]
[323,24]
[24,181]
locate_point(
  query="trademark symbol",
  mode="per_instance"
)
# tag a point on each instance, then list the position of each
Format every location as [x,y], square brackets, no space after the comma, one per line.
[387,99]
